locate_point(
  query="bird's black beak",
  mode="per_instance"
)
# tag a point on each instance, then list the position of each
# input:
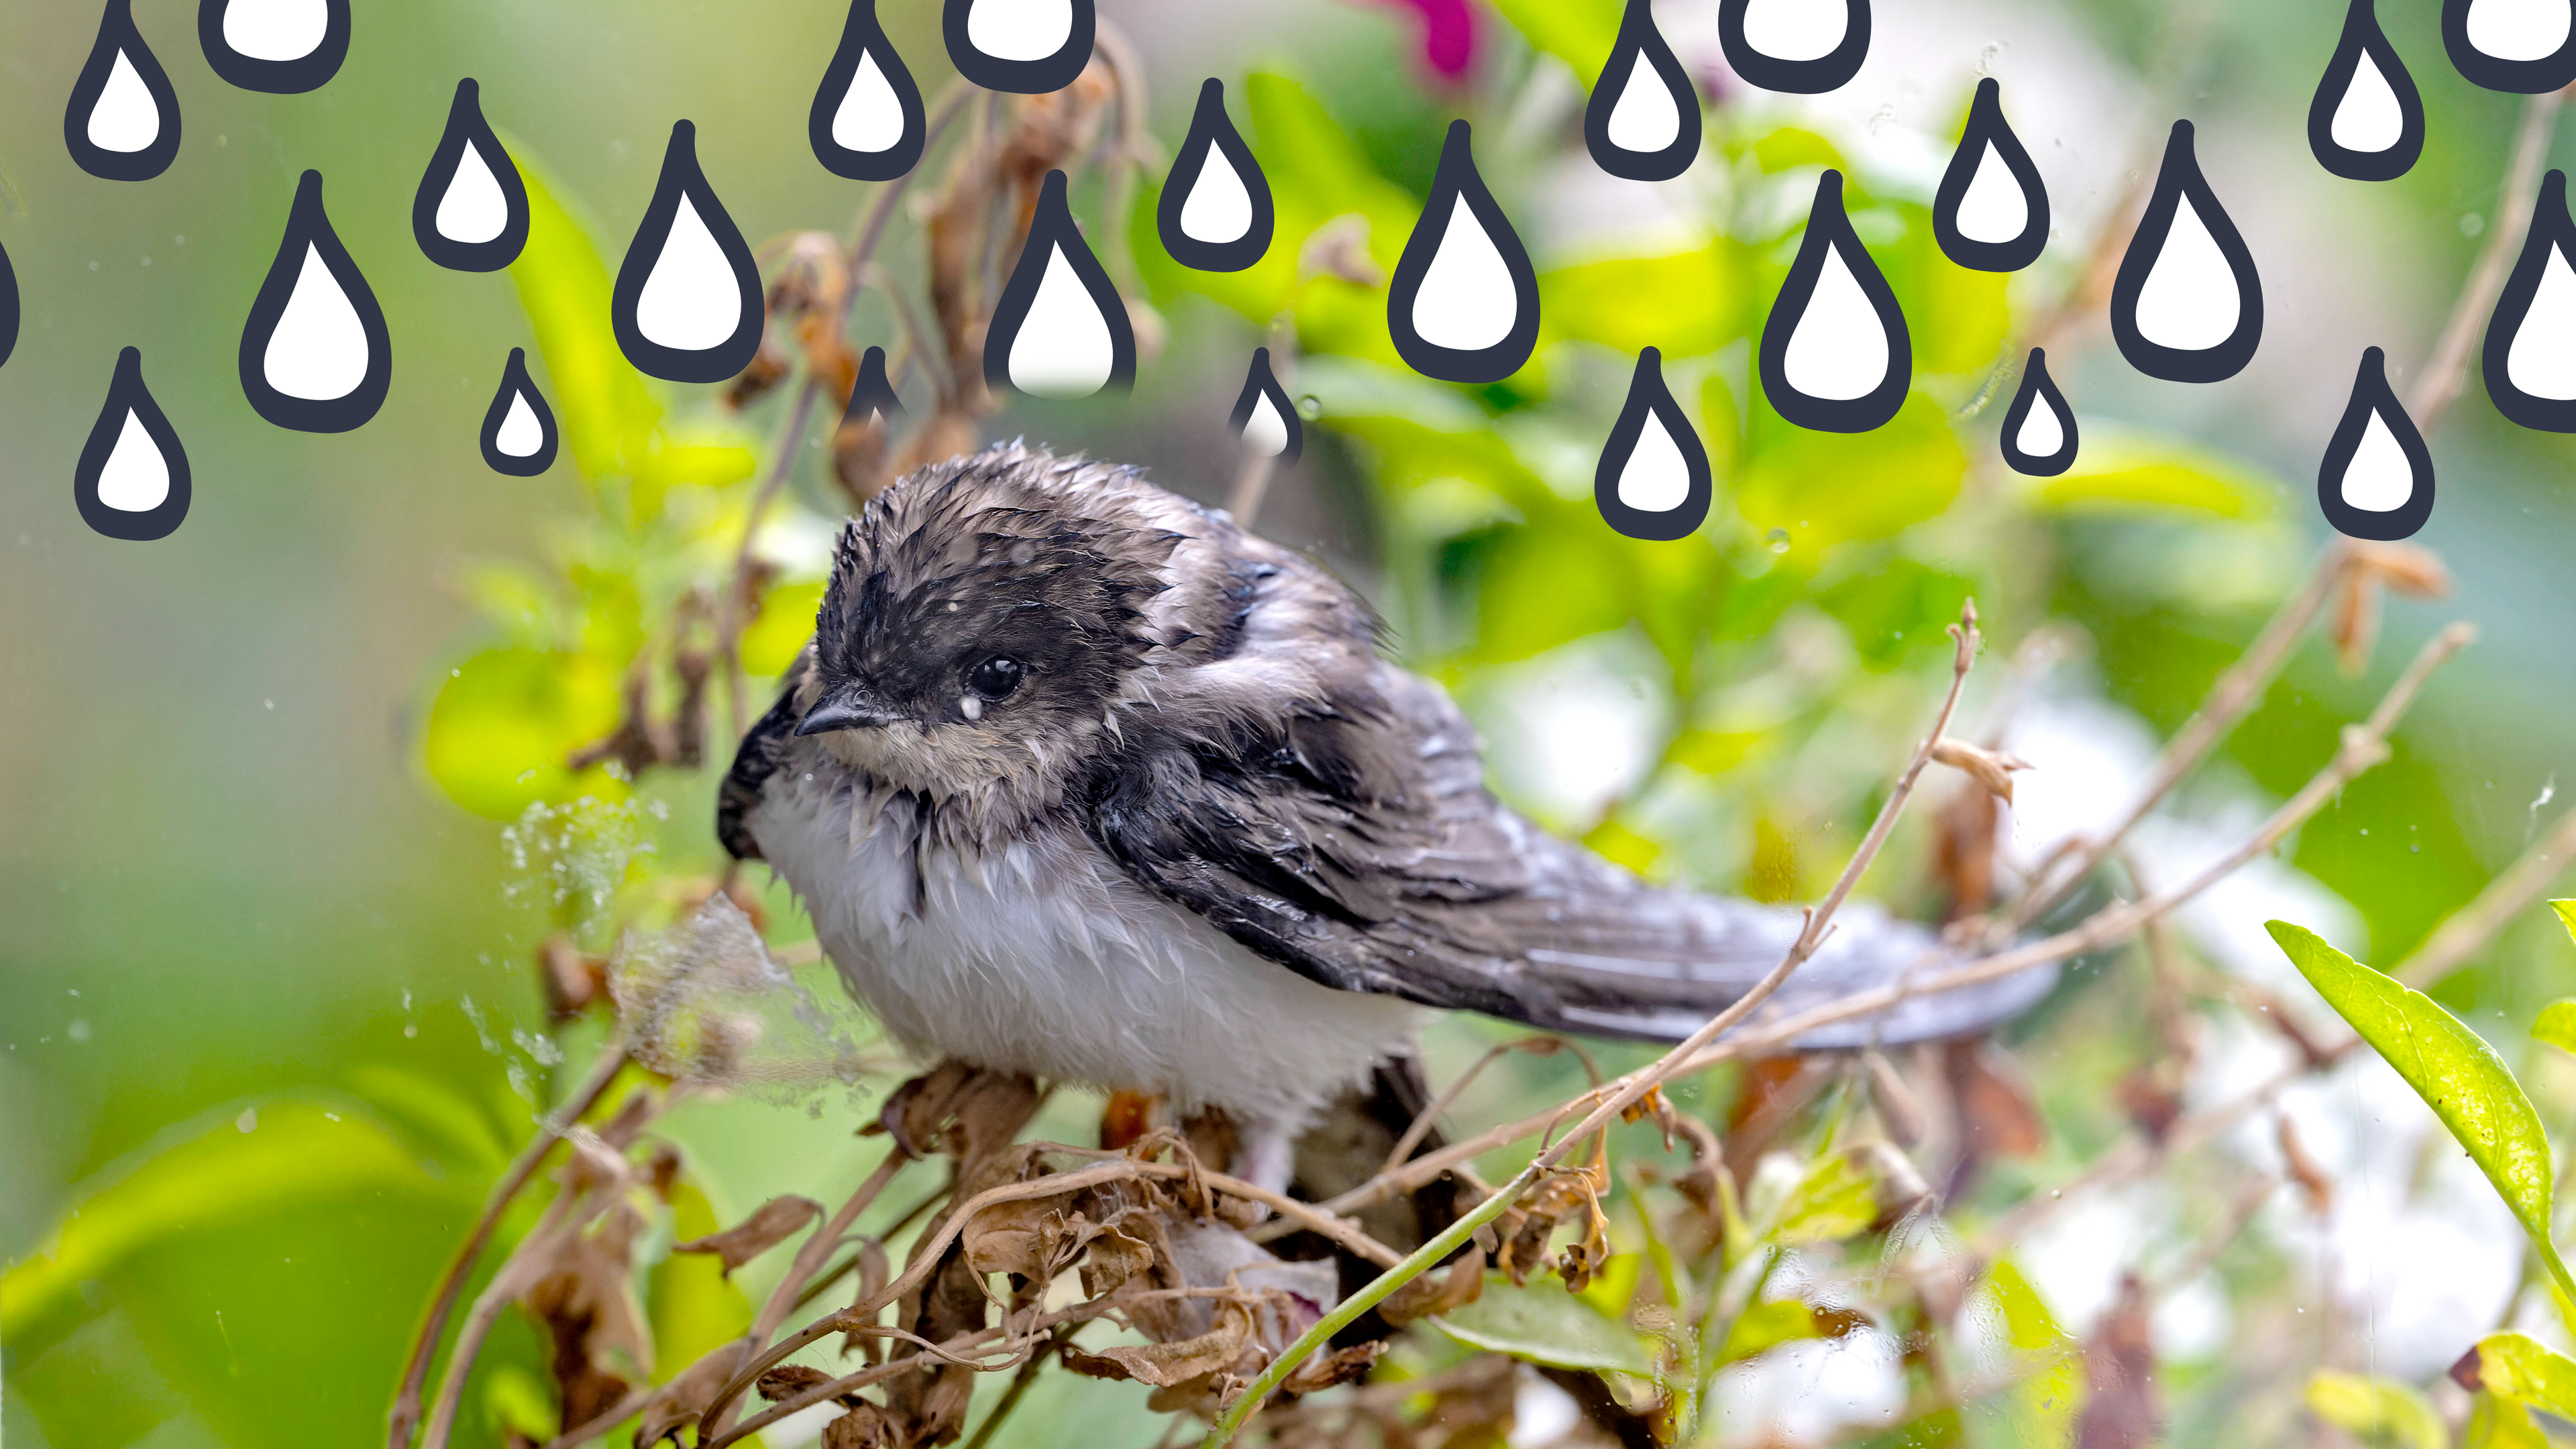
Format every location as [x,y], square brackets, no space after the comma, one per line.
[849,707]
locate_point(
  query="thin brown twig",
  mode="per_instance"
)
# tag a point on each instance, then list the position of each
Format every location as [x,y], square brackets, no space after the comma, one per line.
[451,1284]
[2473,925]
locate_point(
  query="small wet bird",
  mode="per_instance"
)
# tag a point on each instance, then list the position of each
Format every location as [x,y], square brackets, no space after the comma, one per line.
[1079,779]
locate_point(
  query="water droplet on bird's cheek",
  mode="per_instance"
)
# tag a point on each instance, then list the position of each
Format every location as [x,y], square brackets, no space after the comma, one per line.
[2376,478]
[122,121]
[1463,303]
[687,305]
[315,355]
[132,479]
[1653,481]
[1215,214]
[471,211]
[2187,305]
[1059,330]
[867,121]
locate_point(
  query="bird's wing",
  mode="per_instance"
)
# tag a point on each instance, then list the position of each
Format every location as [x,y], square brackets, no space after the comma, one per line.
[1357,845]
[753,763]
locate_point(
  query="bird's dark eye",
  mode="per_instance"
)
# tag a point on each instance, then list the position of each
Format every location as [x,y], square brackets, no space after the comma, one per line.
[996,677]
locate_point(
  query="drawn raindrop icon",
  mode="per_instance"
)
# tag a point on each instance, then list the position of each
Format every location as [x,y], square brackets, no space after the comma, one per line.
[2524,46]
[8,308]
[873,395]
[2366,123]
[1264,420]
[867,120]
[132,478]
[2187,305]
[1215,212]
[2039,428]
[1463,304]
[315,355]
[2376,480]
[1991,213]
[123,120]
[1642,122]
[1653,480]
[1027,46]
[1060,329]
[687,305]
[1836,355]
[1805,47]
[519,429]
[471,212]
[2530,357]
[286,47]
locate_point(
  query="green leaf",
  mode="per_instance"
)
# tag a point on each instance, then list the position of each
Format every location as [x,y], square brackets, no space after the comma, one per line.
[2131,470]
[1578,32]
[2557,1024]
[2566,916]
[1826,1200]
[221,1175]
[2450,1066]
[2041,1408]
[2500,1424]
[608,412]
[2521,1368]
[2381,1412]
[786,621]
[1686,303]
[1767,1325]
[1545,1324]
[505,721]
[1822,489]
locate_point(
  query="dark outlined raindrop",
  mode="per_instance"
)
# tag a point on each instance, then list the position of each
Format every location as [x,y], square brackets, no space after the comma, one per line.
[8,308]
[2530,357]
[687,304]
[1264,421]
[122,123]
[471,212]
[867,122]
[1642,122]
[519,436]
[132,478]
[1463,304]
[2366,122]
[1027,46]
[1991,212]
[1060,329]
[315,355]
[2523,46]
[1653,480]
[1836,356]
[2376,479]
[873,395]
[2039,436]
[1803,47]
[285,47]
[1215,213]
[2187,305]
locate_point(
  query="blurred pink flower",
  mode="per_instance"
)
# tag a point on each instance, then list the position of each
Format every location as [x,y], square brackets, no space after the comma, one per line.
[1448,35]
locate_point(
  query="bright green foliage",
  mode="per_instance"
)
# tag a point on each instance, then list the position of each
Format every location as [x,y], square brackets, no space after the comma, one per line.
[2131,470]
[2521,1368]
[2496,1423]
[2450,1066]
[2557,1024]
[505,722]
[1543,1323]
[2380,1412]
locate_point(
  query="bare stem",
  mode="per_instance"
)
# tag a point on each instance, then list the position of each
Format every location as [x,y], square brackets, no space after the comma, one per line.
[2470,928]
[405,1417]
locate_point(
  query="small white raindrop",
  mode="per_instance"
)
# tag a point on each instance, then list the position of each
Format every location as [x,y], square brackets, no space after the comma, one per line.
[1466,301]
[2042,431]
[1646,119]
[124,119]
[870,117]
[136,478]
[2379,478]
[472,210]
[1993,209]
[2189,301]
[1219,206]
[1019,29]
[521,434]
[1796,29]
[690,301]
[2368,118]
[1655,479]
[2542,357]
[1265,433]
[1839,350]
[319,348]
[276,29]
[2519,29]
[1063,349]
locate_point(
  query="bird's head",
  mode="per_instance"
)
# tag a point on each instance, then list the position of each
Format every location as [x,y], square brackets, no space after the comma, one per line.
[986,617]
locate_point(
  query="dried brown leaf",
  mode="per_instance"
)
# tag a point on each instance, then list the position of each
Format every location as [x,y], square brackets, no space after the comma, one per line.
[2410,569]
[679,1403]
[1166,1364]
[1434,1294]
[580,1286]
[1998,1112]
[864,1427]
[788,1380]
[1990,768]
[2121,1411]
[773,1223]
[2313,1183]
[1324,1370]
[1340,249]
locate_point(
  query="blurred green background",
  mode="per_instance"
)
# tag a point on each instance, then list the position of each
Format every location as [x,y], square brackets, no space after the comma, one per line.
[235,901]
